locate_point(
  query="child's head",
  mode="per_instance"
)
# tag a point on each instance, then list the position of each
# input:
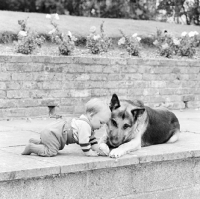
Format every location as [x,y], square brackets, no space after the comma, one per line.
[97,112]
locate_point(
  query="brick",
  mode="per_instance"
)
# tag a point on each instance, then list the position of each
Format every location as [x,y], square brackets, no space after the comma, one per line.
[8,103]
[17,94]
[52,85]
[37,111]
[2,85]
[35,94]
[111,69]
[80,93]
[102,77]
[85,76]
[31,85]
[28,103]
[58,93]
[22,76]
[36,67]
[96,68]
[188,98]
[5,76]
[133,76]
[49,102]
[74,68]
[2,94]
[13,85]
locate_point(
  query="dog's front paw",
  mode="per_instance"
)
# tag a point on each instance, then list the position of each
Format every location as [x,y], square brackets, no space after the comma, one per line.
[116,153]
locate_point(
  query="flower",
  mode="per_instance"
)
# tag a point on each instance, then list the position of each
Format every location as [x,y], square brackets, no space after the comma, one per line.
[93,11]
[134,35]
[56,16]
[155,42]
[121,41]
[165,46]
[96,37]
[69,34]
[191,34]
[183,34]
[176,41]
[52,31]
[138,38]
[22,33]
[93,29]
[48,16]
[196,33]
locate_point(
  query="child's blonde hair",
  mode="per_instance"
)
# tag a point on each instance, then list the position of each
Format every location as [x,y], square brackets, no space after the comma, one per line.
[95,105]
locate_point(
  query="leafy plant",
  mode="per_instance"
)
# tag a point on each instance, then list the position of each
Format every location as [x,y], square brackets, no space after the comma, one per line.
[188,42]
[28,40]
[98,43]
[131,44]
[164,42]
[65,42]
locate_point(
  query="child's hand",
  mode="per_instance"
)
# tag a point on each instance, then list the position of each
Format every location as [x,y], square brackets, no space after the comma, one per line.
[91,153]
[104,149]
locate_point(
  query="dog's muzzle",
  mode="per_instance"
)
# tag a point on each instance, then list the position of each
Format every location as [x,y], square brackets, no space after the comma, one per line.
[112,142]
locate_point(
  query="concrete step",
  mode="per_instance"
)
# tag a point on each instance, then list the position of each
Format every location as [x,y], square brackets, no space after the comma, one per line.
[168,171]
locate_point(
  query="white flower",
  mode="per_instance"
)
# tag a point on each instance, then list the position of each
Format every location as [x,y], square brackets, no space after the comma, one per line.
[138,38]
[73,38]
[69,34]
[165,46]
[93,29]
[134,35]
[196,33]
[191,34]
[93,11]
[96,37]
[121,41]
[183,34]
[56,16]
[176,41]
[22,33]
[155,42]
[48,16]
[52,31]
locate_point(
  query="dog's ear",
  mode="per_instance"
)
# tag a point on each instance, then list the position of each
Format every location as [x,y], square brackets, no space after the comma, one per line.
[137,112]
[114,102]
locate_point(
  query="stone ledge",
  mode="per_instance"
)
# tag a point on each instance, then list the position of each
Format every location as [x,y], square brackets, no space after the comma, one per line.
[97,60]
[14,166]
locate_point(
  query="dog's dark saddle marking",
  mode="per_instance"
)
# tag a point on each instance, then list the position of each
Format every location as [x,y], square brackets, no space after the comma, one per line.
[161,126]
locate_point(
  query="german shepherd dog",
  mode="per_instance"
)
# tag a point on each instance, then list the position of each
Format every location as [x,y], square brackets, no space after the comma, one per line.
[133,125]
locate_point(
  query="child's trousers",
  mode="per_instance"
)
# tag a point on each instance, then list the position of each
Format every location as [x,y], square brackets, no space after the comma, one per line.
[52,139]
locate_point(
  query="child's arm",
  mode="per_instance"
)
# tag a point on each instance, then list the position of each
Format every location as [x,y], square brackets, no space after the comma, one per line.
[86,141]
[102,144]
[104,138]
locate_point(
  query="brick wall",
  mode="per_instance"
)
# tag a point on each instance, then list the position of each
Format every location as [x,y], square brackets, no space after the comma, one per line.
[30,84]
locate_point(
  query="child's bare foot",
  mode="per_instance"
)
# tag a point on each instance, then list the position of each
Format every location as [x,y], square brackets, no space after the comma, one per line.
[27,150]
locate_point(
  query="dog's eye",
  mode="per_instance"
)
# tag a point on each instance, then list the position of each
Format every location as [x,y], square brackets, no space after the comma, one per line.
[125,126]
[114,123]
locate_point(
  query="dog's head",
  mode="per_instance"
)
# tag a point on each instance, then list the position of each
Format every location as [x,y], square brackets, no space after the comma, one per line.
[123,120]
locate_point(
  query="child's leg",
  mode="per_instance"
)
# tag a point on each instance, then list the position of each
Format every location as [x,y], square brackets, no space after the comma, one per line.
[39,149]
[35,141]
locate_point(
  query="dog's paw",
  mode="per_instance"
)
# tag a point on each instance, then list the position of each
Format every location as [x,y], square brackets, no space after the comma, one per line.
[116,153]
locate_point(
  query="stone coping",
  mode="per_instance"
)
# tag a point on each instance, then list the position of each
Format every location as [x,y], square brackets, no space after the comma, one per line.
[15,134]
[96,59]
[14,166]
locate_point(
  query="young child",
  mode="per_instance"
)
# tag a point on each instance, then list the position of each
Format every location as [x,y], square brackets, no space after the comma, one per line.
[79,130]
